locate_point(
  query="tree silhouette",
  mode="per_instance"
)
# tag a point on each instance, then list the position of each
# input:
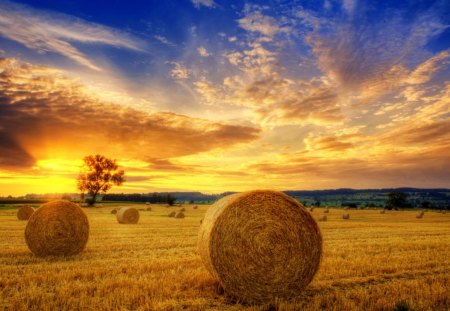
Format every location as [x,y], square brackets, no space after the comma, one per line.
[396,199]
[98,175]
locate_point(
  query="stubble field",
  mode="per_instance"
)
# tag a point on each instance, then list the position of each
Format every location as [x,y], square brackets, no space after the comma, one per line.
[371,262]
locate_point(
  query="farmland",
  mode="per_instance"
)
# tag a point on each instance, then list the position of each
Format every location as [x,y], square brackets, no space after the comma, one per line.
[372,261]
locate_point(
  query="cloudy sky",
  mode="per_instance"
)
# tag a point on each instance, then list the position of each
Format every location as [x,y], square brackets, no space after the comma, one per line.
[212,96]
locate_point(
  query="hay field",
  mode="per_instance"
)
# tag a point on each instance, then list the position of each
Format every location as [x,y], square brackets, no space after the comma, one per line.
[372,261]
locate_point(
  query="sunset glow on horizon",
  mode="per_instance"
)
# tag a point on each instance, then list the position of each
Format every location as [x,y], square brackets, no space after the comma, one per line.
[208,96]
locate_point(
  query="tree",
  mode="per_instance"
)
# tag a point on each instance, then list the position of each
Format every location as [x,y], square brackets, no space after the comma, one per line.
[98,175]
[425,204]
[171,199]
[396,199]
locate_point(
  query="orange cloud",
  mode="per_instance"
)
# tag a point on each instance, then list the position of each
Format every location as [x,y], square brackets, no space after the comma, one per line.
[46,115]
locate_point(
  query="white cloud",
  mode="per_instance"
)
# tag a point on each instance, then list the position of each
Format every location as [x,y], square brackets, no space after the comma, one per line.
[207,3]
[203,52]
[46,31]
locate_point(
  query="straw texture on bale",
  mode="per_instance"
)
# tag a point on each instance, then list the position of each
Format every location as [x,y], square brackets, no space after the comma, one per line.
[114,211]
[127,215]
[260,245]
[346,216]
[323,218]
[24,213]
[58,228]
[172,214]
[179,215]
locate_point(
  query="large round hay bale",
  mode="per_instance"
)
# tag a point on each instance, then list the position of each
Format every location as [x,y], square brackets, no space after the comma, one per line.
[114,211]
[180,214]
[182,209]
[149,209]
[260,245]
[58,228]
[25,212]
[128,215]
[346,216]
[323,218]
[172,214]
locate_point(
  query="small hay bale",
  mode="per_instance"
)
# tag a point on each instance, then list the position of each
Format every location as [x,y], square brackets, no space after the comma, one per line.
[149,209]
[383,211]
[179,215]
[419,215]
[58,228]
[128,215]
[327,210]
[260,245]
[147,203]
[25,212]
[182,209]
[172,214]
[346,216]
[195,207]
[114,211]
[323,218]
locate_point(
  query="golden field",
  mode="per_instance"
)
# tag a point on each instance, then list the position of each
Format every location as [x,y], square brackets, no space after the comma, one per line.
[371,262]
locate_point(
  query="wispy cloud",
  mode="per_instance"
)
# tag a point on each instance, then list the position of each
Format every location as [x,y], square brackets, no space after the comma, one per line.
[206,3]
[255,21]
[164,40]
[203,52]
[47,31]
[359,56]
[179,71]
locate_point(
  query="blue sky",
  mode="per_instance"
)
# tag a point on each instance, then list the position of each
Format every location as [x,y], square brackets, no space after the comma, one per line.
[297,90]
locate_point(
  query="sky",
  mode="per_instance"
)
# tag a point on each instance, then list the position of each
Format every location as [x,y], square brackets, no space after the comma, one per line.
[214,96]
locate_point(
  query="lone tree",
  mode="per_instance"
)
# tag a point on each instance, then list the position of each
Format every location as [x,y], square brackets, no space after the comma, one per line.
[98,175]
[396,199]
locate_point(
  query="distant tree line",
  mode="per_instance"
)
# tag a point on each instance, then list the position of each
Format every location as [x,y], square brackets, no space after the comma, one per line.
[155,197]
